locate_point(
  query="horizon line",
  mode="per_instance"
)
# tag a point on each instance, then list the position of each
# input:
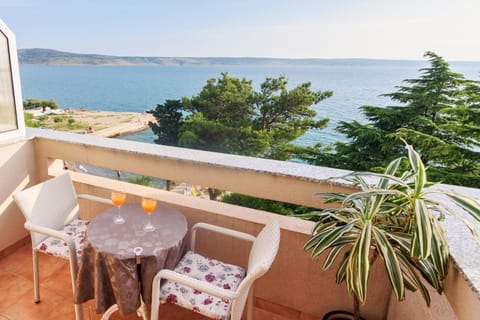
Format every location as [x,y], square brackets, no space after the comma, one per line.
[242,57]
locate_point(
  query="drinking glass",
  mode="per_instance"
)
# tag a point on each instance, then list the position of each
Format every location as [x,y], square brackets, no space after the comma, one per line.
[118,198]
[149,205]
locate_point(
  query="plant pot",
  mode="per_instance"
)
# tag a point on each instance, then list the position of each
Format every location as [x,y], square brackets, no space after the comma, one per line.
[339,315]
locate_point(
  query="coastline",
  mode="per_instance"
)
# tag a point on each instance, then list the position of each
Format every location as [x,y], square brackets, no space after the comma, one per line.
[107,124]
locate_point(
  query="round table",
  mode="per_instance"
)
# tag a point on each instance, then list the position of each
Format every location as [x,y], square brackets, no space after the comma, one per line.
[108,267]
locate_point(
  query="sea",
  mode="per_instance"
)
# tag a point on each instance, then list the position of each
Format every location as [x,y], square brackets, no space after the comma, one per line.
[354,82]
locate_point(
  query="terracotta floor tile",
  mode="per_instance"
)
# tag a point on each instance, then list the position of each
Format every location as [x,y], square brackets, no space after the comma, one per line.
[272,308]
[266,315]
[47,266]
[16,293]
[13,288]
[16,260]
[64,311]
[25,308]
[59,281]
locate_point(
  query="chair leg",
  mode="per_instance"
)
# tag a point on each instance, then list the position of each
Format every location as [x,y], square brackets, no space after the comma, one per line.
[73,277]
[78,312]
[36,286]
[155,298]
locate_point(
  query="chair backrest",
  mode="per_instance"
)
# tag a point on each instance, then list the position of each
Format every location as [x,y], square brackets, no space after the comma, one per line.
[262,254]
[264,249]
[50,204]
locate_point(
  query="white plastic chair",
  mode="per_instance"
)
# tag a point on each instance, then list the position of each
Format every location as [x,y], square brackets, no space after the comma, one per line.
[51,212]
[221,289]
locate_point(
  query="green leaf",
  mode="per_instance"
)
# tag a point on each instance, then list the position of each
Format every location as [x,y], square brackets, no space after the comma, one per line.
[404,240]
[372,193]
[332,255]
[391,263]
[419,169]
[338,197]
[326,238]
[341,274]
[320,226]
[409,267]
[471,206]
[384,176]
[358,268]
[430,273]
[422,243]
[314,239]
[440,254]
[390,171]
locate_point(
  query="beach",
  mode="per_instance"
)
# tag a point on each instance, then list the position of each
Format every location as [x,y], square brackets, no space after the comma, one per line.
[99,123]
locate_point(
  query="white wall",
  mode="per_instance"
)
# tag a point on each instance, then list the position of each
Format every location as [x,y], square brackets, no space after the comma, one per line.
[17,170]
[415,308]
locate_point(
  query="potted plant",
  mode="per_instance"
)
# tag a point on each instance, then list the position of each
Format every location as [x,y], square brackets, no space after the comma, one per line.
[393,219]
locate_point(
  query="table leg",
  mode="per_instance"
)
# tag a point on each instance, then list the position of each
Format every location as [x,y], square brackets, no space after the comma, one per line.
[142,311]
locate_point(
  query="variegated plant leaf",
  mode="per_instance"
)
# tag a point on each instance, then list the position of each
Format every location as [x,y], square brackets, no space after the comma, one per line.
[332,255]
[422,242]
[390,261]
[358,267]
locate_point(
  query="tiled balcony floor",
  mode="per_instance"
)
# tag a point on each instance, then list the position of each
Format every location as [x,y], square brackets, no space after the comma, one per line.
[16,293]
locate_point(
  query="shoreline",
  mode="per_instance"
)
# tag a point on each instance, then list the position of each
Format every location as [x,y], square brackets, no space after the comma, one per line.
[101,123]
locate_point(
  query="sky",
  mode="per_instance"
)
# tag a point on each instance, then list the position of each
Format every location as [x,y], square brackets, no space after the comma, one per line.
[388,29]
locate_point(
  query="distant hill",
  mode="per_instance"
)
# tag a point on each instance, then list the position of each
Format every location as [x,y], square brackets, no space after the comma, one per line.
[54,57]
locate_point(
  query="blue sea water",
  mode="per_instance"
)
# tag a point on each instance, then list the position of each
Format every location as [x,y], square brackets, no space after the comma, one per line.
[138,88]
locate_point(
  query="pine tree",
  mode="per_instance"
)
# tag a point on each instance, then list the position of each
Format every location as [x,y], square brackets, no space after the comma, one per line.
[229,116]
[439,115]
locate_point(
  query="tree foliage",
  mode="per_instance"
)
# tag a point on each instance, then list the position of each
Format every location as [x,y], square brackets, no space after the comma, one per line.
[439,115]
[229,116]
[278,207]
[38,103]
[169,120]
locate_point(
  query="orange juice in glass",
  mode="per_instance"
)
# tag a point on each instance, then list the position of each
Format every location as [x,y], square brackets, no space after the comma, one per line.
[118,198]
[149,205]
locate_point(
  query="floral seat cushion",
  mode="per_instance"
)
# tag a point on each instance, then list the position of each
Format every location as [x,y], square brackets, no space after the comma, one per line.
[54,246]
[196,266]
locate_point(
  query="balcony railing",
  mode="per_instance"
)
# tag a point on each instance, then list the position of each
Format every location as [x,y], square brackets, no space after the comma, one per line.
[296,282]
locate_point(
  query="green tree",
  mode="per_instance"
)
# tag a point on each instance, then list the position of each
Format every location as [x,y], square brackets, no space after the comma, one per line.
[229,116]
[278,207]
[286,114]
[141,180]
[169,121]
[439,115]
[38,103]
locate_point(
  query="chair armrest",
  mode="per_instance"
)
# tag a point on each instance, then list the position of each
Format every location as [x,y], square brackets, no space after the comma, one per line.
[52,233]
[202,286]
[218,229]
[94,198]
[59,235]
[47,231]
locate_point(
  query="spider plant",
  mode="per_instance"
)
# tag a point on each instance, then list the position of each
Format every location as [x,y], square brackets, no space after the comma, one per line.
[394,219]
